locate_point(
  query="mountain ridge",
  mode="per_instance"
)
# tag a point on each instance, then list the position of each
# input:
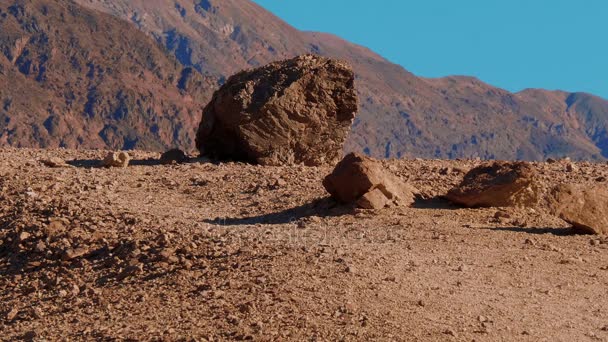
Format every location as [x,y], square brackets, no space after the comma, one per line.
[401,115]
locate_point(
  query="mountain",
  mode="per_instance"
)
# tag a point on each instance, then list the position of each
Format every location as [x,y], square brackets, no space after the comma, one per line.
[402,115]
[71,77]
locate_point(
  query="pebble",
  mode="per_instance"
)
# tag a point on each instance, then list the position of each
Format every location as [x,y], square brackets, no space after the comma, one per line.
[11,315]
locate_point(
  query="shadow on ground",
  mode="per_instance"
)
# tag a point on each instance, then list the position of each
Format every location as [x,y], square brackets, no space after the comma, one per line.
[324,207]
[94,163]
[438,202]
[537,231]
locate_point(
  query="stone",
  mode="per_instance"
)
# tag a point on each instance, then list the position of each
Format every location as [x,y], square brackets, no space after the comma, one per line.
[571,167]
[54,162]
[585,208]
[297,111]
[374,199]
[173,156]
[116,159]
[357,176]
[11,315]
[498,184]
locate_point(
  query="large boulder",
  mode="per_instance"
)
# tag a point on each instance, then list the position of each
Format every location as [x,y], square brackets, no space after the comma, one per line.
[363,181]
[297,111]
[585,208]
[498,184]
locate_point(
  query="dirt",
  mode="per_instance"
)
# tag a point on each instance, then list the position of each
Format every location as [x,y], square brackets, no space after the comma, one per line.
[202,251]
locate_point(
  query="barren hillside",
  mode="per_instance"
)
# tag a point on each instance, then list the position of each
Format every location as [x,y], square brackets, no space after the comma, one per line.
[401,115]
[74,77]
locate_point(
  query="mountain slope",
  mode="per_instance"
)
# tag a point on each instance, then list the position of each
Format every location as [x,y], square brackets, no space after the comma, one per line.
[132,96]
[401,115]
[74,77]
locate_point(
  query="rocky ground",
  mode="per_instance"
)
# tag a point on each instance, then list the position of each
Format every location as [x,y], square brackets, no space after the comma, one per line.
[204,251]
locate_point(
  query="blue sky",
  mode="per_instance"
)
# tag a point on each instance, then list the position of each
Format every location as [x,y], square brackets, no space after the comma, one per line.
[513,44]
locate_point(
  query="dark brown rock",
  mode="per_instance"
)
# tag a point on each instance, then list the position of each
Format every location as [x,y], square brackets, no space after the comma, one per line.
[357,176]
[585,208]
[498,184]
[173,156]
[290,112]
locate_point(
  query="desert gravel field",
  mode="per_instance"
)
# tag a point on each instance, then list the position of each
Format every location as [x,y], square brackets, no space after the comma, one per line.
[205,251]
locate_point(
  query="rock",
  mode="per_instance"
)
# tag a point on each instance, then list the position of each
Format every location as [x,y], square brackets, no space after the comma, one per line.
[498,184]
[297,111]
[570,167]
[54,228]
[374,199]
[445,171]
[357,176]
[173,156]
[116,159]
[11,315]
[54,162]
[71,254]
[585,208]
[502,215]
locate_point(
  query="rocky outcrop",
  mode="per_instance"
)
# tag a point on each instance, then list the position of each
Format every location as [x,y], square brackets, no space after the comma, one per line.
[297,111]
[498,184]
[585,208]
[363,181]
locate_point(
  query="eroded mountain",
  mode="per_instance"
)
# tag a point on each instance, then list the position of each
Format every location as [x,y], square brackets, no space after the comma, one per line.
[401,115]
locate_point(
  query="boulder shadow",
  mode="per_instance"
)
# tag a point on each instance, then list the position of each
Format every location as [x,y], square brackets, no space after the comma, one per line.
[323,207]
[538,231]
[438,202]
[96,163]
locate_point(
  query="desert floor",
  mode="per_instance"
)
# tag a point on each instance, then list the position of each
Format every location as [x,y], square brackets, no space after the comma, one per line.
[204,251]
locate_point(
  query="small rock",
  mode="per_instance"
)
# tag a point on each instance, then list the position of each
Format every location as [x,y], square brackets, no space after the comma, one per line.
[24,236]
[357,175]
[586,208]
[173,156]
[117,159]
[55,162]
[40,247]
[450,332]
[445,171]
[55,227]
[71,254]
[374,199]
[570,167]
[498,184]
[502,215]
[131,271]
[11,315]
